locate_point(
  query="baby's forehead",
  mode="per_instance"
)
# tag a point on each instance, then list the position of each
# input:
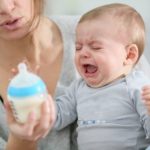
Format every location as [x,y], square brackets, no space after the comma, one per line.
[104,27]
[103,22]
[103,18]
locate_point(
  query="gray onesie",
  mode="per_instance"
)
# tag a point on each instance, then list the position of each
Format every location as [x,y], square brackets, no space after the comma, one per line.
[112,117]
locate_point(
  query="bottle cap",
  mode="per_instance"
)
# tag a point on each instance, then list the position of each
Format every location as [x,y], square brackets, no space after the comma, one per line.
[25,83]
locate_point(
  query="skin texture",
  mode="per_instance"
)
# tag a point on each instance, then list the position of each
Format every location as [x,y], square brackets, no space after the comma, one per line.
[18,12]
[36,40]
[103,53]
[101,56]
[146,97]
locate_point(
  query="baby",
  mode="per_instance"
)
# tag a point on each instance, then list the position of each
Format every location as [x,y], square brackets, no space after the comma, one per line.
[107,100]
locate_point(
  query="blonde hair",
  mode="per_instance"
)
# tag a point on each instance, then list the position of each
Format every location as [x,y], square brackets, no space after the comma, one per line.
[38,7]
[126,17]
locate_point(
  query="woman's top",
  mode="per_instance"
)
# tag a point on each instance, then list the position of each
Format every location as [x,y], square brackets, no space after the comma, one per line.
[55,140]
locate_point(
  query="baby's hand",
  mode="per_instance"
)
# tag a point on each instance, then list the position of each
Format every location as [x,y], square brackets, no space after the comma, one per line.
[32,130]
[146,97]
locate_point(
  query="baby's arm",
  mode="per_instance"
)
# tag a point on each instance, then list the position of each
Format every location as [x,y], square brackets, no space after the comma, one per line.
[66,108]
[146,97]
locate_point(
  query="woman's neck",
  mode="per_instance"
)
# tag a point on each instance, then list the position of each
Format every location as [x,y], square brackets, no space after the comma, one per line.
[17,51]
[9,47]
[20,47]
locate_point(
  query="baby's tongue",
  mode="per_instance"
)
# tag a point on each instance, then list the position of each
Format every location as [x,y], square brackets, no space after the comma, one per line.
[91,69]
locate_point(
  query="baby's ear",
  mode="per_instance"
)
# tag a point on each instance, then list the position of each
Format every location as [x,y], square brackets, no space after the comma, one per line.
[132,54]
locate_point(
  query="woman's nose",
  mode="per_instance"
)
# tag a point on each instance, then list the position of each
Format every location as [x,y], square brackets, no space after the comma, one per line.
[6,6]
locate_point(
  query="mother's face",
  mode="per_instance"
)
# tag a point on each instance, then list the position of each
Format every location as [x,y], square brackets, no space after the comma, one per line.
[16,17]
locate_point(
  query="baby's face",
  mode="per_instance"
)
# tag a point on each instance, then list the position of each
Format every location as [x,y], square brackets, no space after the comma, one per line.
[100,54]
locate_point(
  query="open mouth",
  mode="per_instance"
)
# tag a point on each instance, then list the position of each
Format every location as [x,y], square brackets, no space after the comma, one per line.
[11,24]
[90,69]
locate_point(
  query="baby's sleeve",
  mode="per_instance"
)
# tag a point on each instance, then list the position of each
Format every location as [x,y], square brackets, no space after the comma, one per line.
[137,81]
[2,144]
[143,113]
[66,108]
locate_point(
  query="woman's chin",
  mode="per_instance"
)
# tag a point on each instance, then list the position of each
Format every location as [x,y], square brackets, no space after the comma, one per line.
[14,36]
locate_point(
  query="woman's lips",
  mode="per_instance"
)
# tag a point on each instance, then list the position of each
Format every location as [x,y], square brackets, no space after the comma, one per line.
[11,24]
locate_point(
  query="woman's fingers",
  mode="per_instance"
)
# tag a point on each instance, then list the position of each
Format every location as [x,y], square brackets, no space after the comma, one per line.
[146,97]
[47,119]
[9,113]
[14,71]
[52,115]
[146,93]
[53,111]
[24,131]
[33,130]
[30,125]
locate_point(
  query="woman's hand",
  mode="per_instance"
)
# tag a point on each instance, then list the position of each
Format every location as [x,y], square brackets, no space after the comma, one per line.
[146,97]
[32,130]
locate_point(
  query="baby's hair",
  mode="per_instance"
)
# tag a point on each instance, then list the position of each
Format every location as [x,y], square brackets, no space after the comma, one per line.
[126,17]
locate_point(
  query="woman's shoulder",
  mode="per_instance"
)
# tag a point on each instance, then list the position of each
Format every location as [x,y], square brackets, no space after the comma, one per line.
[49,34]
[53,29]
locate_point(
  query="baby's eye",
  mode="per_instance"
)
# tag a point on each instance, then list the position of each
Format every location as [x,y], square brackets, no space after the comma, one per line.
[96,48]
[78,47]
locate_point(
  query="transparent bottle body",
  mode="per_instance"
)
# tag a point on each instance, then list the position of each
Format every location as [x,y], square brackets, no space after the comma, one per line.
[23,106]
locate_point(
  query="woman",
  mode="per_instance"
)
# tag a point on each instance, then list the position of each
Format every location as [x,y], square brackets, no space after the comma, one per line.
[25,34]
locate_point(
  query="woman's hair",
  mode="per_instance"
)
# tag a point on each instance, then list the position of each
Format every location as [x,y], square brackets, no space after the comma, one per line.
[38,7]
[126,17]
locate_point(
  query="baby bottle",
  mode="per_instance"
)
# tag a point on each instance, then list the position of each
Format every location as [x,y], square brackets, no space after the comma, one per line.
[26,92]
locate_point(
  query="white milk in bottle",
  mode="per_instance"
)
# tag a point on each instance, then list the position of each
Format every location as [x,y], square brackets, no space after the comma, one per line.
[26,92]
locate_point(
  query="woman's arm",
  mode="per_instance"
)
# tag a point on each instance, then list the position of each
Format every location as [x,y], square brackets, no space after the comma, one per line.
[15,143]
[25,136]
